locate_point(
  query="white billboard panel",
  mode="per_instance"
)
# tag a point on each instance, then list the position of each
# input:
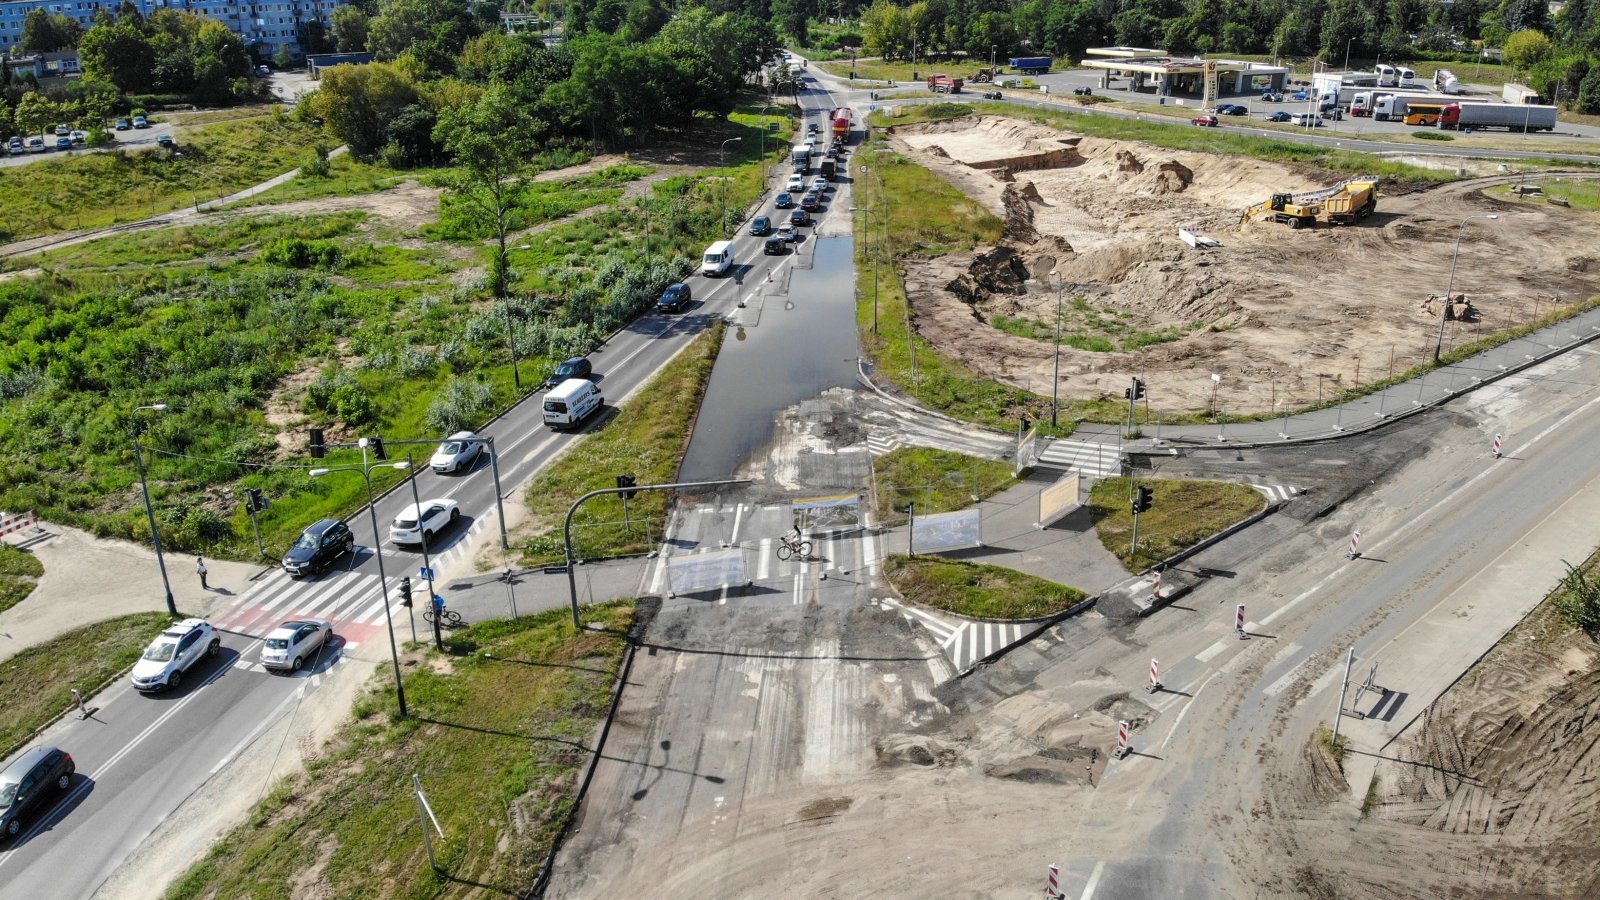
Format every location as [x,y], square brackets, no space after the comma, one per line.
[1058,499]
[948,531]
[701,571]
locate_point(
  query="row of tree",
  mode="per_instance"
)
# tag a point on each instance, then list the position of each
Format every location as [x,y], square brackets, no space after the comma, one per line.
[171,52]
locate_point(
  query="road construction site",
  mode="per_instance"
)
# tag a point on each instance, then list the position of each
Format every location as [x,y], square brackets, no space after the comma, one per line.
[1284,315]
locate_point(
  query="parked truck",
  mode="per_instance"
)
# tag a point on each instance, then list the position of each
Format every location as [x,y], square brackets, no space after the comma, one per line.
[1031,65]
[945,84]
[1446,82]
[1520,94]
[1398,106]
[1461,116]
[800,157]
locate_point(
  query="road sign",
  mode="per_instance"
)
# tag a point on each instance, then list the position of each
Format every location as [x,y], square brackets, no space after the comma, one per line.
[425,573]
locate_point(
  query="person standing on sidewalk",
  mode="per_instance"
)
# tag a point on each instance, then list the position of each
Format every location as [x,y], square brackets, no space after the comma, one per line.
[200,569]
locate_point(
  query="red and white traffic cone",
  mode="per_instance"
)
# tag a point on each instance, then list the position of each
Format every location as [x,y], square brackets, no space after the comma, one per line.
[1355,545]
[1497,445]
[1238,621]
[1155,677]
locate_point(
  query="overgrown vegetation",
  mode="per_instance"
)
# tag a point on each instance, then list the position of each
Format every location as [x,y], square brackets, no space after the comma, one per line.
[935,480]
[1579,193]
[36,685]
[976,589]
[645,440]
[500,727]
[97,189]
[19,575]
[1086,327]
[1335,749]
[1578,597]
[1182,514]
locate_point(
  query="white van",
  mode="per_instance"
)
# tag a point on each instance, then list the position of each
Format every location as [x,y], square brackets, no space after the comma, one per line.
[718,259]
[571,402]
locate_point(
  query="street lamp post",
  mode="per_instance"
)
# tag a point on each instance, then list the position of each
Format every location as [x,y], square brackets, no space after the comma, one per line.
[427,566]
[149,511]
[1055,379]
[1347,53]
[721,164]
[914,61]
[1444,310]
[866,232]
[383,580]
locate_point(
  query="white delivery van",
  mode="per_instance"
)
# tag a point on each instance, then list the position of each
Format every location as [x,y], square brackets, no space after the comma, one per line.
[718,259]
[571,402]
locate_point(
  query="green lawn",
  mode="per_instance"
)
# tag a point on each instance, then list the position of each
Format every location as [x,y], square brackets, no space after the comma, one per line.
[645,440]
[1182,514]
[19,574]
[977,590]
[1580,193]
[501,725]
[36,684]
[97,189]
[935,480]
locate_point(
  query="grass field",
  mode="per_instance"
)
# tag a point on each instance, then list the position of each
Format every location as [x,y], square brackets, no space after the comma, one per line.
[36,684]
[977,590]
[19,575]
[501,725]
[936,480]
[645,440]
[1182,514]
[97,189]
[1580,193]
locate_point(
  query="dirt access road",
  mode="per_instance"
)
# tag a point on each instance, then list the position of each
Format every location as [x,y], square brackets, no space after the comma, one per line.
[1282,315]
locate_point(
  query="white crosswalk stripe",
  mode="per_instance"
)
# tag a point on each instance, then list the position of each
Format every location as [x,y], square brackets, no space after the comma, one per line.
[830,552]
[880,445]
[1277,492]
[964,642]
[1082,456]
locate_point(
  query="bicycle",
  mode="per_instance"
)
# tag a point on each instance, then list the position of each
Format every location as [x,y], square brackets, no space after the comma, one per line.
[449,618]
[788,548]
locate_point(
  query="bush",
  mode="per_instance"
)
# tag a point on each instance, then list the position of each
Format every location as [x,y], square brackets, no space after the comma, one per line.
[1578,598]
[317,166]
[461,405]
[298,253]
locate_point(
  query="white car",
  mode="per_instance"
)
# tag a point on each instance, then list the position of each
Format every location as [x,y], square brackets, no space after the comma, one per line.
[819,184]
[417,524]
[458,453]
[797,184]
[292,643]
[173,653]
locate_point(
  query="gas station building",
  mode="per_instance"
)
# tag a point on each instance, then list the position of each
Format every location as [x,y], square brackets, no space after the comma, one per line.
[1159,73]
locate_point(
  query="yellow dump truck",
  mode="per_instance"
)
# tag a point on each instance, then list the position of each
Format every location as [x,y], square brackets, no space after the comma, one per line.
[1355,201]
[1343,204]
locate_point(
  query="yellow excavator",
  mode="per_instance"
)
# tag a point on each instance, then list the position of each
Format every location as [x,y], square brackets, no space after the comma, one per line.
[1345,203]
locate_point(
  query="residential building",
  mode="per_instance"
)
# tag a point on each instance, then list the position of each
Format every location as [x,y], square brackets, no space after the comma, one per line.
[263,26]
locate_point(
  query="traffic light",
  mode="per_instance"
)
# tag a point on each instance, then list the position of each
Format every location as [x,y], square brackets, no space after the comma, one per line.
[627,481]
[1137,389]
[405,591]
[378,452]
[253,501]
[1142,498]
[317,448]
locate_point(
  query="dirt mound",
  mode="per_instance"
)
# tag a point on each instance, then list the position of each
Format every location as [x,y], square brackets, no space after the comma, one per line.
[919,750]
[1277,312]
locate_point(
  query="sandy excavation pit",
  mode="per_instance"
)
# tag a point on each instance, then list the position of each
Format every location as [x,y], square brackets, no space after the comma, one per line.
[1279,313]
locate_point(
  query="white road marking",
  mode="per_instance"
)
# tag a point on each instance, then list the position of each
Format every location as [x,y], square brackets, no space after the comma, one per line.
[1094,881]
[1185,711]
[1211,652]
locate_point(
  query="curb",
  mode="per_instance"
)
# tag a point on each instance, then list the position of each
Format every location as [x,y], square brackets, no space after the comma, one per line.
[1040,626]
[1215,539]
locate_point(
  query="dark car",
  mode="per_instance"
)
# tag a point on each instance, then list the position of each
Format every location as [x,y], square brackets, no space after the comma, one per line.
[36,776]
[1083,92]
[776,246]
[760,226]
[317,547]
[576,367]
[784,201]
[1232,109]
[810,203]
[1270,97]
[674,298]
[799,218]
[1279,116]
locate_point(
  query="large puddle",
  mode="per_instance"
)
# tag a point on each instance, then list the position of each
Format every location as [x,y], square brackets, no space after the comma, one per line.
[804,344]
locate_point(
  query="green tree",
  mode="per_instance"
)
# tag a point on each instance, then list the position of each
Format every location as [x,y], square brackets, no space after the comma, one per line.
[36,113]
[358,102]
[350,29]
[490,145]
[1589,92]
[95,99]
[44,32]
[1526,49]
[794,19]
[1526,15]
[120,54]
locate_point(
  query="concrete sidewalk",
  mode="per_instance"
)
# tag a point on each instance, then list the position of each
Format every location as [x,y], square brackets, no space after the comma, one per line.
[88,579]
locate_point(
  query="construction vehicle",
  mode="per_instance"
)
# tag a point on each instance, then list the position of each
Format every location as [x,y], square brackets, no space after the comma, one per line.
[1343,204]
[983,76]
[1031,65]
[944,84]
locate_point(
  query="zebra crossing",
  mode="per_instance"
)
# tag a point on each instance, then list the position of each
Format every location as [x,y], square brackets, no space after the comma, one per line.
[843,552]
[1278,493]
[1094,460]
[351,601]
[964,641]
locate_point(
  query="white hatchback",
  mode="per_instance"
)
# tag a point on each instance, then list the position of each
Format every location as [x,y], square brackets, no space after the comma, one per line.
[292,643]
[458,453]
[418,523]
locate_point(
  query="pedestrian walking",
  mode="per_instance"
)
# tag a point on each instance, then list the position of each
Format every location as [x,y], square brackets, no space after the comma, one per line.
[200,569]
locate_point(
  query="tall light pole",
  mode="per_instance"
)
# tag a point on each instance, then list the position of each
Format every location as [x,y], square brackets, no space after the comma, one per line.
[149,511]
[365,469]
[866,231]
[1055,380]
[721,164]
[1347,53]
[1444,310]
[426,565]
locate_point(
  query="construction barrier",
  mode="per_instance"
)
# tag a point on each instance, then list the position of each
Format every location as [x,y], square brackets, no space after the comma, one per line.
[1122,741]
[1238,620]
[1355,544]
[17,523]
[1497,446]
[1155,676]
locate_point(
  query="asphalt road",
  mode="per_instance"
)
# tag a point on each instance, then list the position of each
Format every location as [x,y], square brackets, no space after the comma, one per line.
[140,757]
[140,139]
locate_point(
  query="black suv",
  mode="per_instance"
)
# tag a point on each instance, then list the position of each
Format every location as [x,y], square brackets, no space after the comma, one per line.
[776,246]
[576,367]
[317,547]
[26,783]
[674,298]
